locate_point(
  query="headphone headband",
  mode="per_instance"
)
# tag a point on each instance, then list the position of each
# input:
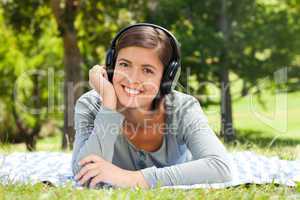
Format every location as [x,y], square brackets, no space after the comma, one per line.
[174,43]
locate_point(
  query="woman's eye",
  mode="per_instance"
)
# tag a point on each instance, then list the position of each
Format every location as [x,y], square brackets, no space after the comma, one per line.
[123,64]
[148,71]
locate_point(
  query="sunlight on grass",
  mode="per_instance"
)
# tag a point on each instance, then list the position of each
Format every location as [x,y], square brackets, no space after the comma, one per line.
[52,143]
[244,117]
[254,135]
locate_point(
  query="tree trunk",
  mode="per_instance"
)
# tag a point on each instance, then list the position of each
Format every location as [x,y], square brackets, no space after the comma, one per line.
[65,17]
[29,135]
[72,88]
[227,130]
[33,135]
[31,139]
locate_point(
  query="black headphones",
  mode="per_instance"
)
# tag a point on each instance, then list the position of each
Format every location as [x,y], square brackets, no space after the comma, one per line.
[171,72]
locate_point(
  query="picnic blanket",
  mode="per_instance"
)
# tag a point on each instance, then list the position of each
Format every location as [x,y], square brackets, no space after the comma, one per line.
[55,168]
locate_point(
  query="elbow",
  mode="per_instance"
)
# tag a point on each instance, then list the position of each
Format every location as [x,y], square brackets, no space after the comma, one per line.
[224,169]
[221,169]
[227,174]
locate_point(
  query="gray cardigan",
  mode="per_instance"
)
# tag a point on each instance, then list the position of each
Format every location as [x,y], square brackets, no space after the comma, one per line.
[190,153]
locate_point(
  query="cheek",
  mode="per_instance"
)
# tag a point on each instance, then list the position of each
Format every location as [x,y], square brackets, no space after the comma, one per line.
[152,86]
[118,76]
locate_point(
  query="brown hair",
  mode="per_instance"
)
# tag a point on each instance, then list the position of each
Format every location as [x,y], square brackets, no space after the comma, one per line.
[147,37]
[151,38]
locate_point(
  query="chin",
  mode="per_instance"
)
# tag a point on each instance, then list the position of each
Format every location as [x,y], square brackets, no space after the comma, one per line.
[133,103]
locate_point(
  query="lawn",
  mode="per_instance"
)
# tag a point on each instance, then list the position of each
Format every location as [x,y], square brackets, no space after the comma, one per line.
[40,191]
[280,137]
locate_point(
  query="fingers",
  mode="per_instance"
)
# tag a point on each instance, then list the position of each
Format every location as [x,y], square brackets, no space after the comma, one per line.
[96,180]
[85,169]
[90,158]
[90,174]
[89,170]
[98,79]
[100,69]
[104,69]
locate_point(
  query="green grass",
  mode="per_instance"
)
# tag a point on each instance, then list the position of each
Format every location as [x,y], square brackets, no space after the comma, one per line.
[257,135]
[40,191]
[52,143]
[252,135]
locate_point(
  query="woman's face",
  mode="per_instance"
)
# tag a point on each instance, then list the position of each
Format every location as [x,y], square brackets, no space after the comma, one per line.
[137,76]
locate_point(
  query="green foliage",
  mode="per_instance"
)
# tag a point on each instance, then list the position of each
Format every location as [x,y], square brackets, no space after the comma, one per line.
[33,48]
[263,38]
[98,22]
[27,62]
[20,15]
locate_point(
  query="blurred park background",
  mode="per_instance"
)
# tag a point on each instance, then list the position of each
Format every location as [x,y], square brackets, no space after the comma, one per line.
[241,59]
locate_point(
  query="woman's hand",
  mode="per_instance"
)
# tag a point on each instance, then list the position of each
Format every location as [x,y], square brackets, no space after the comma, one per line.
[99,170]
[98,80]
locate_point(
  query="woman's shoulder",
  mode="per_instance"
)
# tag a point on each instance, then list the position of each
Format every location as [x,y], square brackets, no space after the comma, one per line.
[184,108]
[185,114]
[181,100]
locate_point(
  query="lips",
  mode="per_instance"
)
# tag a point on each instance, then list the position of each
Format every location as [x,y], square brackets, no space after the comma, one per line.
[132,91]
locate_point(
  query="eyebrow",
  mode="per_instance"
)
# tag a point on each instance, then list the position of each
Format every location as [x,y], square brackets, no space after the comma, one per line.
[144,65]
[124,60]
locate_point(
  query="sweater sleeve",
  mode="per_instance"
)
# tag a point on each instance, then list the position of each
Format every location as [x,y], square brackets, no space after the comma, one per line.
[210,162]
[96,129]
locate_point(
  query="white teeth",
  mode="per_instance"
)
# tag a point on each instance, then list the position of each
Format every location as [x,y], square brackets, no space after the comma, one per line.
[132,91]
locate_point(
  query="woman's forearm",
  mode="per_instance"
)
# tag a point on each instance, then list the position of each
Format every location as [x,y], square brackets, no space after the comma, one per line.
[101,141]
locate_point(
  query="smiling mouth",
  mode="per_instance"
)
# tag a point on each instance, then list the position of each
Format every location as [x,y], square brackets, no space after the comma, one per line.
[131,91]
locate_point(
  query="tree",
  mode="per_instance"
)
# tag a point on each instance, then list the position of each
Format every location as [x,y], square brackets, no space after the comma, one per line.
[85,27]
[227,130]
[24,69]
[65,13]
[95,28]
[250,38]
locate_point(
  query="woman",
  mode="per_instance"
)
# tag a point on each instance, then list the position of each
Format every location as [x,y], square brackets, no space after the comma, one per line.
[134,129]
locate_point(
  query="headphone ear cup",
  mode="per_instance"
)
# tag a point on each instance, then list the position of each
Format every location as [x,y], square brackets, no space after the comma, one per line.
[175,75]
[170,78]
[109,62]
[173,67]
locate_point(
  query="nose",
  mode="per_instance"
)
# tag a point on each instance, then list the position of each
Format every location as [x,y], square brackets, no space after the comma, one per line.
[134,76]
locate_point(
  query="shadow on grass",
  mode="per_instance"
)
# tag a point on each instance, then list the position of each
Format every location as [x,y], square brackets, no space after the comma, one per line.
[261,139]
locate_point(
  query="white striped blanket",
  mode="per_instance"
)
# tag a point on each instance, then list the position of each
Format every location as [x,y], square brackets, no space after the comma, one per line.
[55,168]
